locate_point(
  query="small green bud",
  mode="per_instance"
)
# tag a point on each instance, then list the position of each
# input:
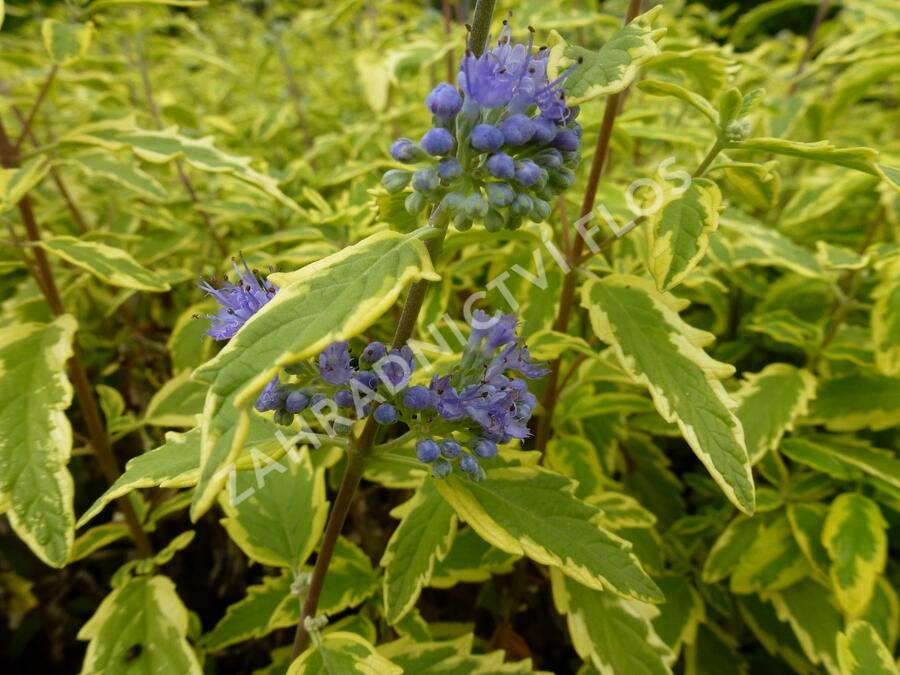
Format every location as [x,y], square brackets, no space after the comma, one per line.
[476,206]
[522,206]
[415,202]
[494,221]
[738,130]
[283,417]
[453,202]
[462,222]
[513,222]
[395,180]
[540,210]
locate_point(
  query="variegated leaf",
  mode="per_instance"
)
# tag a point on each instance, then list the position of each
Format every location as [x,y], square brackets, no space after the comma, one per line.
[422,538]
[855,536]
[616,634]
[665,354]
[679,232]
[277,511]
[610,69]
[810,610]
[769,402]
[533,512]
[342,653]
[140,627]
[35,436]
[886,318]
[109,264]
[861,652]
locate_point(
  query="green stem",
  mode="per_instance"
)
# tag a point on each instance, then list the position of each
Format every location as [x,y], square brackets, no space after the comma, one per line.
[26,125]
[356,462]
[481,26]
[714,151]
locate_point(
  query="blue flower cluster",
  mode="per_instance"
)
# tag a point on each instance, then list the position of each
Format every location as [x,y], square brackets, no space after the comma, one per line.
[481,402]
[458,417]
[239,301]
[498,152]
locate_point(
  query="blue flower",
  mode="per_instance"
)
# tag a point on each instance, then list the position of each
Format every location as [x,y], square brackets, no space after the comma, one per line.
[404,150]
[271,397]
[444,101]
[517,129]
[427,450]
[500,165]
[239,301]
[334,363]
[437,141]
[385,414]
[486,137]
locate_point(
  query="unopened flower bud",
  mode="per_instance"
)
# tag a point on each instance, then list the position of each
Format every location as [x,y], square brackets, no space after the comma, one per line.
[395,180]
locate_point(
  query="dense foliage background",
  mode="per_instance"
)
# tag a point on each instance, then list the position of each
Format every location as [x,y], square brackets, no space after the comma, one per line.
[145,144]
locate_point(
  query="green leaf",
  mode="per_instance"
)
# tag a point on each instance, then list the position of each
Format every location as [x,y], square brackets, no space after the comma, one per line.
[846,452]
[749,22]
[107,263]
[15,183]
[775,635]
[127,175]
[533,512]
[757,184]
[808,607]
[614,633]
[96,538]
[858,159]
[471,559]
[807,522]
[422,538]
[276,512]
[662,352]
[757,244]
[35,436]
[271,605]
[731,547]
[769,402]
[855,536]
[679,232]
[861,652]
[663,88]
[139,627]
[883,612]
[423,657]
[160,147]
[66,43]
[172,465]
[341,654]
[885,318]
[681,614]
[333,299]
[177,403]
[250,617]
[784,326]
[576,457]
[713,653]
[619,510]
[610,69]
[858,401]
[774,561]
[547,345]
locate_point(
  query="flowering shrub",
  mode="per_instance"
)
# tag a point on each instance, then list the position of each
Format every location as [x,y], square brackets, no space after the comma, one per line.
[364,337]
